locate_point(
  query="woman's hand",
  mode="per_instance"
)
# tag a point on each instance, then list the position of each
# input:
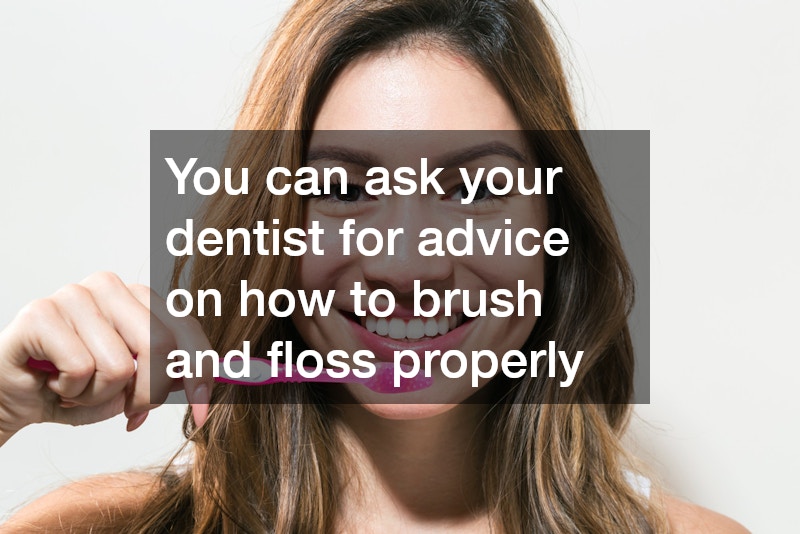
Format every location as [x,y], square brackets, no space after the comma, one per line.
[104,337]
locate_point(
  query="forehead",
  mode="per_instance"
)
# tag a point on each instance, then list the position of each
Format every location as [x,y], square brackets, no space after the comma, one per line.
[414,88]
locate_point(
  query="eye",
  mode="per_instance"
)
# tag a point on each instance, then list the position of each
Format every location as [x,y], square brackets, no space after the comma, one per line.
[354,193]
[482,193]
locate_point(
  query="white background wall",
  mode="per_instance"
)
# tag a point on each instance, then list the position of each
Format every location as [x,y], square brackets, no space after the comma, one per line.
[715,82]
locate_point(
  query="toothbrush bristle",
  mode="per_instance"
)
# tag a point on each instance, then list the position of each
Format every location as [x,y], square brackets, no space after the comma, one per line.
[383,381]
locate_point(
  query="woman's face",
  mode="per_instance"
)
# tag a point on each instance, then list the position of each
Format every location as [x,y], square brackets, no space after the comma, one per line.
[406,95]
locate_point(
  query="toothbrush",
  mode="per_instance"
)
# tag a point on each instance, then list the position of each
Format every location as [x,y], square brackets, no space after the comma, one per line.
[261,374]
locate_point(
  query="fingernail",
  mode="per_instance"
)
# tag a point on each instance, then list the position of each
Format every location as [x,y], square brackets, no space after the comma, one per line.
[136,420]
[67,404]
[199,400]
[201,395]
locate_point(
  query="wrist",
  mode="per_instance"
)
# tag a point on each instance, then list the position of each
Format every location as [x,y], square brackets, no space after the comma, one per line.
[7,428]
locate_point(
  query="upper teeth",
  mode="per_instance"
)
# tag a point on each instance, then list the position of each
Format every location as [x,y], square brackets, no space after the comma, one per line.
[415,328]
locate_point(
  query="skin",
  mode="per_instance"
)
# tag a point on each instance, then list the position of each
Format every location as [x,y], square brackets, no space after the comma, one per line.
[419,98]
[416,467]
[90,332]
[397,445]
[412,89]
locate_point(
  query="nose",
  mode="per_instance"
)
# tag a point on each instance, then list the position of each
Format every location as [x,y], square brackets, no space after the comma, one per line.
[398,272]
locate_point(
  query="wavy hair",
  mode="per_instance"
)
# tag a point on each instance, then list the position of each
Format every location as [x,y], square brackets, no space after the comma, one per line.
[266,459]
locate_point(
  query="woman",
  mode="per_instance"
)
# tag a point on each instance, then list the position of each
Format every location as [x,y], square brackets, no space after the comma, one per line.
[285,458]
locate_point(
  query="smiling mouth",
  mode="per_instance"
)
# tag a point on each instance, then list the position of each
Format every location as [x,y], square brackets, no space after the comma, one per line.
[413,329]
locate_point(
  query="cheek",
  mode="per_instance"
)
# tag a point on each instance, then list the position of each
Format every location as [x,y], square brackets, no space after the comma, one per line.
[331,240]
[323,271]
[522,276]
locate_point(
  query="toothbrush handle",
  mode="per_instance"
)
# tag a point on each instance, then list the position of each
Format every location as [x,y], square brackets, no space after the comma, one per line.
[41,365]
[47,366]
[324,377]
[280,379]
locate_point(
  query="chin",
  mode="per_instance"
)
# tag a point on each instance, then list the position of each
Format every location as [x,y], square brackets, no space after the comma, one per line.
[407,412]
[442,397]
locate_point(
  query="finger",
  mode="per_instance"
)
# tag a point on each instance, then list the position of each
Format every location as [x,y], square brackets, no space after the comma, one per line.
[189,336]
[44,334]
[84,415]
[113,361]
[151,385]
[143,334]
[135,421]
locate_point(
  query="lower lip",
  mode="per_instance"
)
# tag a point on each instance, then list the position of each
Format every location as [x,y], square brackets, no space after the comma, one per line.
[384,347]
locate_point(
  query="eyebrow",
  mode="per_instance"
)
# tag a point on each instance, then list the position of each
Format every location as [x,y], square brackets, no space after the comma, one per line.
[343,155]
[448,160]
[493,148]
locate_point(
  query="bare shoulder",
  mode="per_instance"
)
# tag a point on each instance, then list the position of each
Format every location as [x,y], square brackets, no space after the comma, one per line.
[688,518]
[88,504]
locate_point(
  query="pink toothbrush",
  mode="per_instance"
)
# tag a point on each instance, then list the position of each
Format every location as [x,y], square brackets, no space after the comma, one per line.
[261,374]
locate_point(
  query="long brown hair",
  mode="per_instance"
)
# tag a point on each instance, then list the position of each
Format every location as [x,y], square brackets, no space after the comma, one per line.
[265,459]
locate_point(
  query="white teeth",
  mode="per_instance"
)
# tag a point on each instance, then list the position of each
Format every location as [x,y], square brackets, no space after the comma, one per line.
[431,327]
[397,329]
[416,328]
[382,327]
[444,325]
